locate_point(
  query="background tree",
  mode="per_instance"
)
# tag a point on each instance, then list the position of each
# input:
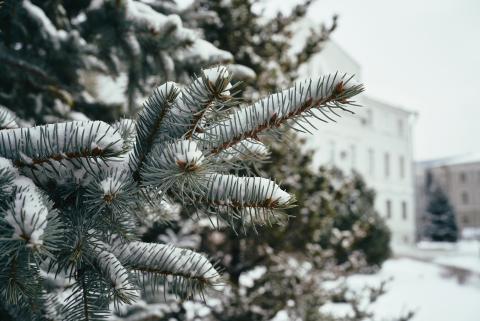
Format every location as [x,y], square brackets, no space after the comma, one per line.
[265,45]
[441,225]
[71,59]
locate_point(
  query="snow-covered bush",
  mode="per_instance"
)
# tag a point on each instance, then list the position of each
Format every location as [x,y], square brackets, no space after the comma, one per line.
[73,194]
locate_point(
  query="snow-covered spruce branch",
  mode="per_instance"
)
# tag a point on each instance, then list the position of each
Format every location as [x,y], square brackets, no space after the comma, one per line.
[171,113]
[74,141]
[29,209]
[212,86]
[183,147]
[244,150]
[230,190]
[28,217]
[177,167]
[187,272]
[124,290]
[246,201]
[115,188]
[7,175]
[293,104]
[151,121]
[7,119]
[197,100]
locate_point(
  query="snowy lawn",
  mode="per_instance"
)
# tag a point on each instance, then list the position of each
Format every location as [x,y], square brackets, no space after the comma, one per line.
[463,255]
[438,284]
[433,292]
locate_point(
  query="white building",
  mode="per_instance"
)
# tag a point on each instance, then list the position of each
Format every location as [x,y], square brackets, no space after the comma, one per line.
[376,141]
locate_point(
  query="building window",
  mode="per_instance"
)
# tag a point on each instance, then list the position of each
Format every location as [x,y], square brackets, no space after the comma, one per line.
[463,177]
[405,239]
[404,210]
[400,126]
[465,198]
[367,120]
[389,209]
[371,162]
[387,164]
[402,166]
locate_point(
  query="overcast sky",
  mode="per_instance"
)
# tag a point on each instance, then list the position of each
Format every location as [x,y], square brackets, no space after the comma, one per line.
[423,55]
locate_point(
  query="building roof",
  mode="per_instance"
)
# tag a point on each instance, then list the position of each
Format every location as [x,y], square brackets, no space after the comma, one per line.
[469,158]
[334,58]
[383,103]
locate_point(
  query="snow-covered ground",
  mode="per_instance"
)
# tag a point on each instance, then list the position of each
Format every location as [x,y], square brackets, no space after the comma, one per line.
[439,283]
[462,255]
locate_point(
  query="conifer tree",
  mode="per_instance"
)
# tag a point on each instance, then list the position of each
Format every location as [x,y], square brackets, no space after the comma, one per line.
[73,193]
[57,58]
[441,225]
[265,48]
[307,236]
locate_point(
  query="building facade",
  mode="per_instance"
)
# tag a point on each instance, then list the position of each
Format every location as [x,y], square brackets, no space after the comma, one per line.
[376,141]
[459,178]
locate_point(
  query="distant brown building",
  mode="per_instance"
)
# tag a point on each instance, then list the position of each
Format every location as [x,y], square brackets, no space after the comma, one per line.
[459,177]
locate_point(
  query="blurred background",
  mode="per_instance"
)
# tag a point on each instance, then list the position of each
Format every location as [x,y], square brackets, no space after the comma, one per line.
[387,225]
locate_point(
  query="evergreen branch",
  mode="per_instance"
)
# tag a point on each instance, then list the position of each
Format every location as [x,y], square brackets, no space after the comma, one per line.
[244,150]
[242,192]
[45,27]
[123,289]
[176,167]
[19,281]
[214,84]
[195,101]
[296,102]
[315,42]
[7,175]
[127,130]
[50,144]
[185,272]
[87,300]
[24,66]
[149,123]
[158,211]
[114,190]
[82,235]
[28,214]
[245,217]
[7,119]
[113,197]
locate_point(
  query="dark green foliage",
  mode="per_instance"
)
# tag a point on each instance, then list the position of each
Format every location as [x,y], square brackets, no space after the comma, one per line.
[441,223]
[57,56]
[259,43]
